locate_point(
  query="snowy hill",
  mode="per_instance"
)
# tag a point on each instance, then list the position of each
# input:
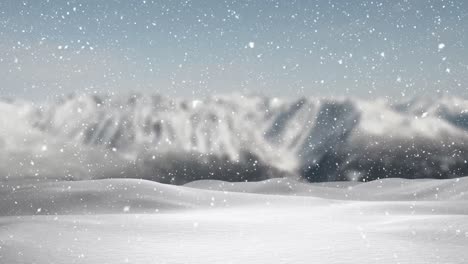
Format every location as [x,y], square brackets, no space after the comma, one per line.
[234,138]
[272,221]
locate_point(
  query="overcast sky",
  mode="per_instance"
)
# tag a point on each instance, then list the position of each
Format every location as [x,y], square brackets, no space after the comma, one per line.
[196,48]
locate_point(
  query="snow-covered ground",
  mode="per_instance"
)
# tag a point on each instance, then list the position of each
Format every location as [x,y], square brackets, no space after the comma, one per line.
[273,221]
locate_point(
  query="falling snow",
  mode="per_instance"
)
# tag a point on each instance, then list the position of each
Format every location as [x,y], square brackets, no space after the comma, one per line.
[234,131]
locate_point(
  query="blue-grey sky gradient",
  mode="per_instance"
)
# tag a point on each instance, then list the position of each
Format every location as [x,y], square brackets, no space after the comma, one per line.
[197,48]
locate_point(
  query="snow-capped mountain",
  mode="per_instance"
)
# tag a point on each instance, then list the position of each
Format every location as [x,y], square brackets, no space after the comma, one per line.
[233,138]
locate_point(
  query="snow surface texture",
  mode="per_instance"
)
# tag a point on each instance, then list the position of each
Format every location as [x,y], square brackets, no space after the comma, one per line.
[233,138]
[272,221]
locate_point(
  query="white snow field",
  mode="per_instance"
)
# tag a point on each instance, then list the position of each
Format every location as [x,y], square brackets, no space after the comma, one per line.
[272,221]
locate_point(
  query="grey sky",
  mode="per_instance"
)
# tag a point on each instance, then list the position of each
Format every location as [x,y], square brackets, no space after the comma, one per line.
[196,48]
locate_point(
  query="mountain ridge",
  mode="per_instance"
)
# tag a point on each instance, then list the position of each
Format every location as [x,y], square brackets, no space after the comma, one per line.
[237,138]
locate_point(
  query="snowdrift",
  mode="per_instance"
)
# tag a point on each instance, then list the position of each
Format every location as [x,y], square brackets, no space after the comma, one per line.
[134,196]
[208,221]
[233,138]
